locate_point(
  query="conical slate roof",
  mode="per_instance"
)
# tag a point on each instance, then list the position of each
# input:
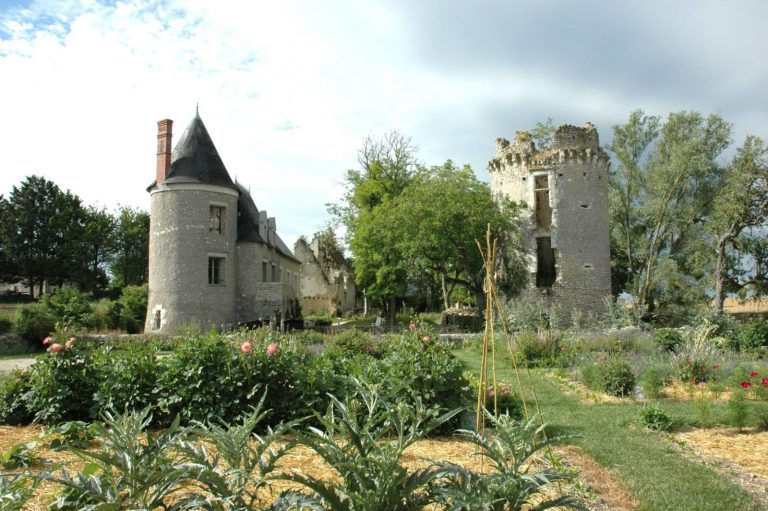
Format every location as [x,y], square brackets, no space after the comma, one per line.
[195,159]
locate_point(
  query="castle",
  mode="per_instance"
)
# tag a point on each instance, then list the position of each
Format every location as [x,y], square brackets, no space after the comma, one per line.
[566,241]
[215,259]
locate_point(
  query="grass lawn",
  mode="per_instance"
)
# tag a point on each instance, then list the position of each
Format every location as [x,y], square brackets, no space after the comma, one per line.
[646,463]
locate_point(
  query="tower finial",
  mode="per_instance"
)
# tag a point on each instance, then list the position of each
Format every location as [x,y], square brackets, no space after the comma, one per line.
[197,112]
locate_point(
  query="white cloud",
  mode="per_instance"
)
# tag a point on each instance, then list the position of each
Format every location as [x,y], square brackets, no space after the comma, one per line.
[289,89]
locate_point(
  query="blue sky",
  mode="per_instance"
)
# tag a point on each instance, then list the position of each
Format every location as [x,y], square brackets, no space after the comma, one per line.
[289,89]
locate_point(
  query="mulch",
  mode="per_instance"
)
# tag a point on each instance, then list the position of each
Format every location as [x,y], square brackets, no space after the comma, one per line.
[596,487]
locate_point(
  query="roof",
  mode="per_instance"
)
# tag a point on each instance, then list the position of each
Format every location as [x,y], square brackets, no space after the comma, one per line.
[248,223]
[196,160]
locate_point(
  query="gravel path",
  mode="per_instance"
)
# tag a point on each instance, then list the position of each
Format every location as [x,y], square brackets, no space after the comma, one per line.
[9,364]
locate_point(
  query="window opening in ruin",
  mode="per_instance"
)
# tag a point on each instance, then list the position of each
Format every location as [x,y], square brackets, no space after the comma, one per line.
[264,271]
[545,262]
[543,209]
[156,320]
[274,273]
[215,270]
[216,213]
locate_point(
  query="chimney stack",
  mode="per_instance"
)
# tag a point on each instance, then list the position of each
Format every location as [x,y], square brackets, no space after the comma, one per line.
[164,142]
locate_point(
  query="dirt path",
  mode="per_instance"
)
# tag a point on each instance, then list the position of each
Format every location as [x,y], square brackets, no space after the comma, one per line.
[9,364]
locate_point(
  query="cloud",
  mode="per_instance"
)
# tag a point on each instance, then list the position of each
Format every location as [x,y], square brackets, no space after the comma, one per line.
[288,90]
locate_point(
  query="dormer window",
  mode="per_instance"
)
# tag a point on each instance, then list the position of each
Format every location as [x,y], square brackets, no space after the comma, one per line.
[216,219]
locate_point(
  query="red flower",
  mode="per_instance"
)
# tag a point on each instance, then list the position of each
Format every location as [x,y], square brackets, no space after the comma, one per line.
[272,349]
[765,382]
[703,368]
[753,374]
[745,385]
[716,366]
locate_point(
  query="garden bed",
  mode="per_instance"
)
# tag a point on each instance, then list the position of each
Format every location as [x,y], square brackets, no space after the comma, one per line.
[596,487]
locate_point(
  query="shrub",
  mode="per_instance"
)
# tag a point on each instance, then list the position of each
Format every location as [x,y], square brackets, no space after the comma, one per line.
[613,376]
[349,343]
[753,335]
[129,378]
[737,409]
[70,307]
[13,406]
[6,325]
[133,308]
[541,350]
[62,386]
[34,322]
[655,418]
[653,381]
[668,340]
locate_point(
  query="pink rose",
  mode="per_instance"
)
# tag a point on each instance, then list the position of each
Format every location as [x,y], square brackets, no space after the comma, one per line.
[70,342]
[411,326]
[246,347]
[56,347]
[48,340]
[272,349]
[425,338]
[716,366]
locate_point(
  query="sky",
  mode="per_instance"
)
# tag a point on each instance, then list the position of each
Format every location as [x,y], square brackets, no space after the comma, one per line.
[289,89]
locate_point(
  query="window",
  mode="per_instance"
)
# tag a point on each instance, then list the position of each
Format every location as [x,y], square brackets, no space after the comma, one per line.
[264,271]
[546,273]
[274,273]
[543,210]
[215,270]
[216,219]
[157,320]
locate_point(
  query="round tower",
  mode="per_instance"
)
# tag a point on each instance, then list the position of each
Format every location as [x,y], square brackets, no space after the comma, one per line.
[192,235]
[565,189]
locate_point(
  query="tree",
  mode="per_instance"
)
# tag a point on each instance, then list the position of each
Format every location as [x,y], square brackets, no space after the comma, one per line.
[436,223]
[386,168]
[130,265]
[739,221]
[662,193]
[40,230]
[97,245]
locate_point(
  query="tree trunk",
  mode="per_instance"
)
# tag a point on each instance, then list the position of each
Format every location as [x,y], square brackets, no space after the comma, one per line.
[445,292]
[720,270]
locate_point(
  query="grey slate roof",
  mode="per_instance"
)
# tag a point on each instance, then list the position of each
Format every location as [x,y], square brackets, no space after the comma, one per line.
[195,159]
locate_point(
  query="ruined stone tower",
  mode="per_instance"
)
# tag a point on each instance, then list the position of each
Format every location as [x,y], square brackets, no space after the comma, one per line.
[566,239]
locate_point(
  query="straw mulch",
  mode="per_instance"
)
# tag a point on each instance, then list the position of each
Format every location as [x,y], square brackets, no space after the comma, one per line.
[685,391]
[596,487]
[586,395]
[736,455]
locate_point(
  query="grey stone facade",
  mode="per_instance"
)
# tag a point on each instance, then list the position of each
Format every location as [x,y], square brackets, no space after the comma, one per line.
[215,260]
[565,189]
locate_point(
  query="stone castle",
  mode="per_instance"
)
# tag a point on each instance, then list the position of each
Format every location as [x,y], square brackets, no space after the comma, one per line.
[565,188]
[215,259]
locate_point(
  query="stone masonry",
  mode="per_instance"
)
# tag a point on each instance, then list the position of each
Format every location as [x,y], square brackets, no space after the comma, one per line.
[565,189]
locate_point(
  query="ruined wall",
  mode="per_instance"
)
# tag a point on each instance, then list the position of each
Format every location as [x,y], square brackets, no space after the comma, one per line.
[180,245]
[565,189]
[326,285]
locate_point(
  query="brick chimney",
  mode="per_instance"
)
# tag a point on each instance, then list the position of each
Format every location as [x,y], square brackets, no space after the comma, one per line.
[164,142]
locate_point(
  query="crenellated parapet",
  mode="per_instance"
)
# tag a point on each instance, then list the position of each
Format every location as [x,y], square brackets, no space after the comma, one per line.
[569,143]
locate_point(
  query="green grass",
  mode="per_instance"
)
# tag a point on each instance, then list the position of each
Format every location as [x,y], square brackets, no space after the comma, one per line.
[646,463]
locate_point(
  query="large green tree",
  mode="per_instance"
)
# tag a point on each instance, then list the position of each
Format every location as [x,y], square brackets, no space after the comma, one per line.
[40,233]
[438,220]
[738,224]
[386,166]
[130,264]
[662,193]
[98,244]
